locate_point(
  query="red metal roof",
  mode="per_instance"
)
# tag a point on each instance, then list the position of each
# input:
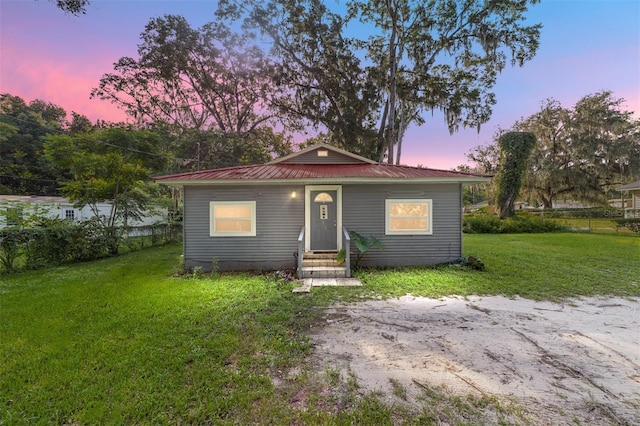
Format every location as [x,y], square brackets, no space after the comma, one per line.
[280,171]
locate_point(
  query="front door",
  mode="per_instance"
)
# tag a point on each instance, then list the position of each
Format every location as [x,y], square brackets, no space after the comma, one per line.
[324,220]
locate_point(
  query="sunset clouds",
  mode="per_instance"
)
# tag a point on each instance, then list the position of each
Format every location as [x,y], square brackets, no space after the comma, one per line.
[586,46]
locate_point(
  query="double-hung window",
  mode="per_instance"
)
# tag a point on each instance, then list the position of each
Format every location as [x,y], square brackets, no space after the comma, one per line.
[232,218]
[408,217]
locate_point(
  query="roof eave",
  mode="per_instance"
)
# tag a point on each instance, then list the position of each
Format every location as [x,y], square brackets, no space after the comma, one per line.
[629,187]
[471,180]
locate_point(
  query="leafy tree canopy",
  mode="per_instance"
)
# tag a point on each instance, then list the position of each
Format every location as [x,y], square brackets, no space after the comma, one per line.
[205,79]
[211,149]
[23,170]
[581,152]
[438,55]
[74,7]
[108,165]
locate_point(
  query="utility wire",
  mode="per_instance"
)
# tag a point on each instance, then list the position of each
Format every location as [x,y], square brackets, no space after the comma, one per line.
[60,131]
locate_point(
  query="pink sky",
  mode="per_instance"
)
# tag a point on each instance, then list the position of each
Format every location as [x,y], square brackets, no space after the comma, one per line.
[586,46]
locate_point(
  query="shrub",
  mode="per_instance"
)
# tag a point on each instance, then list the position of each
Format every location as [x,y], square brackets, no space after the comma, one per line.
[489,224]
[55,243]
[12,243]
[481,224]
[588,213]
[47,246]
[632,224]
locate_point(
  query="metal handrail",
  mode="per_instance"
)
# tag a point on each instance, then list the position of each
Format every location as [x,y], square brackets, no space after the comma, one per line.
[346,245]
[300,251]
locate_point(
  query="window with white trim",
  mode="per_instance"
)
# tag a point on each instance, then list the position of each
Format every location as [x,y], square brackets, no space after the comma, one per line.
[232,218]
[408,217]
[70,214]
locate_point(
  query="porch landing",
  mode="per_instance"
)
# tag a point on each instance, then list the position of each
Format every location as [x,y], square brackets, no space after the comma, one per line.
[307,283]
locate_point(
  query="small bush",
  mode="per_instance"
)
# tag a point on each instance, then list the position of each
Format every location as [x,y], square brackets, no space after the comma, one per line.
[481,224]
[519,224]
[632,224]
[12,243]
[471,262]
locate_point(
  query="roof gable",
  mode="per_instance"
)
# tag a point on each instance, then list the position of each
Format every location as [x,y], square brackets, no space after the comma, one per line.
[322,154]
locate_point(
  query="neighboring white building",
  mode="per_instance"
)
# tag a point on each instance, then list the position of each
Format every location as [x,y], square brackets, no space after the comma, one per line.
[59,207]
[631,209]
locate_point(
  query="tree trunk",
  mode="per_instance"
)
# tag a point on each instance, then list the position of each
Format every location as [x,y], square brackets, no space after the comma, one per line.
[507,208]
[392,84]
[401,129]
[382,148]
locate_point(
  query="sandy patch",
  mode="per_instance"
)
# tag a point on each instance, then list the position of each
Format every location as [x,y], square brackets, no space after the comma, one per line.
[576,361]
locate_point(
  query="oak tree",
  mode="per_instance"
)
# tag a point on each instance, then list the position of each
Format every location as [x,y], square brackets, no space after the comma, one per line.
[415,57]
[209,78]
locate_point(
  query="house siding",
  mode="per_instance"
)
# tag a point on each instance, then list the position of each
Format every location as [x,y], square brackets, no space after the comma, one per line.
[279,218]
[364,212]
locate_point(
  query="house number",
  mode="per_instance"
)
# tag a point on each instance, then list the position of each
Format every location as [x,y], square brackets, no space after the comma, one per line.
[324,213]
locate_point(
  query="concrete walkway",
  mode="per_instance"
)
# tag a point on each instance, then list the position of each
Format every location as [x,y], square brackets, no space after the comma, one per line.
[307,283]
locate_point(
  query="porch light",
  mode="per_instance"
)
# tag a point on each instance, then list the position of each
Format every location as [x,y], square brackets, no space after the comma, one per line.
[293,194]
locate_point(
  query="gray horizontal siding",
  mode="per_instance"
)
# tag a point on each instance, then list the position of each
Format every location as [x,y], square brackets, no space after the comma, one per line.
[279,219]
[364,212]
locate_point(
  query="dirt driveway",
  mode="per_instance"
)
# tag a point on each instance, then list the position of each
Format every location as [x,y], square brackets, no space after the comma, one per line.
[560,363]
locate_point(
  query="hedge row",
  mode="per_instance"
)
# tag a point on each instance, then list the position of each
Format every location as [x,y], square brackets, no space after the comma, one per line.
[43,247]
[588,213]
[490,224]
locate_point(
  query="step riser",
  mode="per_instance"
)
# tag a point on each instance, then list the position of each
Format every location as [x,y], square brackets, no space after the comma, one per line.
[319,262]
[322,265]
[330,256]
[324,272]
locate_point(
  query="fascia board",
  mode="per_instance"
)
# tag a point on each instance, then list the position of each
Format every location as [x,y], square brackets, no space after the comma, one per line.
[321,181]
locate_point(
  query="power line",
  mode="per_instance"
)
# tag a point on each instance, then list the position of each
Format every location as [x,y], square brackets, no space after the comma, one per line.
[60,131]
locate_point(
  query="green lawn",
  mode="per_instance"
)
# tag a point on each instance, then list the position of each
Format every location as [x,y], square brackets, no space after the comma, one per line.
[126,341]
[536,266]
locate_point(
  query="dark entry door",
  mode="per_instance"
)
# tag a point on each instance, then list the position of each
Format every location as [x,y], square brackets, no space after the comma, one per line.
[324,220]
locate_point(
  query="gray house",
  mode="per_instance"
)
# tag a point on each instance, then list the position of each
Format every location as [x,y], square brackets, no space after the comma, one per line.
[297,212]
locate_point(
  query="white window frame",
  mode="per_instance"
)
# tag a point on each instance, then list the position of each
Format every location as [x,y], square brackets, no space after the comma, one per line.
[387,212]
[212,219]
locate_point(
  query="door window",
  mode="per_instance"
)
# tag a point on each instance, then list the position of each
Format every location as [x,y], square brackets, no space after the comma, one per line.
[323,197]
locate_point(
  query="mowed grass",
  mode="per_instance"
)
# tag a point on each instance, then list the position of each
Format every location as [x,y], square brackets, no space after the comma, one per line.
[535,266]
[126,341]
[121,341]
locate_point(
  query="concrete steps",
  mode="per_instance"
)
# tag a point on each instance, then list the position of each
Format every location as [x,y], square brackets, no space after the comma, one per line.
[322,265]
